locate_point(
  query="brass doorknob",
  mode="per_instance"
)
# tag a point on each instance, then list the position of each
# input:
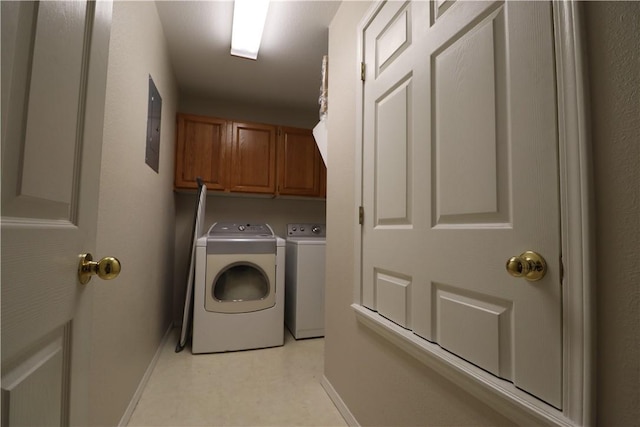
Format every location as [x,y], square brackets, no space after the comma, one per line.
[529,265]
[107,268]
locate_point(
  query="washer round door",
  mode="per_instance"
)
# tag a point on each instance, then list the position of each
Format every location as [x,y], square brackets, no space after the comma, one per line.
[240,283]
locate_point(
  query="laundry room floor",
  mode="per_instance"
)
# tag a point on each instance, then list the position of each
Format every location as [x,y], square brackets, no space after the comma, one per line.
[277,386]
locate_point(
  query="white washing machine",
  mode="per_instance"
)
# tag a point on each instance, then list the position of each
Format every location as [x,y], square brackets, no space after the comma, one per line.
[239,288]
[305,280]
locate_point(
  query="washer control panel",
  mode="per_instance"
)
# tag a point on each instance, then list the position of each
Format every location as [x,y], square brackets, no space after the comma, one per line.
[234,228]
[306,230]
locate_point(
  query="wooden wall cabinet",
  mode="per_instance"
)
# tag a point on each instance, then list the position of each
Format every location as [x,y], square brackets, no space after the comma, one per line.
[201,151]
[248,157]
[253,158]
[300,167]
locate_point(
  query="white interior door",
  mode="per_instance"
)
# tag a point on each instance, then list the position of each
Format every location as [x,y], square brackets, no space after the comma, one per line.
[54,64]
[460,173]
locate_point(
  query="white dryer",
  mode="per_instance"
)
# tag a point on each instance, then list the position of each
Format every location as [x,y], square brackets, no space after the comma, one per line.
[305,280]
[239,288]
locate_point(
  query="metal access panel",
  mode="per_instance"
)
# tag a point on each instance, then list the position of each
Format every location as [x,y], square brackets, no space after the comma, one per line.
[152,152]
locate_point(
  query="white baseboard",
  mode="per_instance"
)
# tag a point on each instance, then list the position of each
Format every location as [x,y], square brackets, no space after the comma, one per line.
[124,421]
[340,405]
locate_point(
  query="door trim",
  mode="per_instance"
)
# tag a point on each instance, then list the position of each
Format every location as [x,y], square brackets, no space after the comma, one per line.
[576,213]
[578,248]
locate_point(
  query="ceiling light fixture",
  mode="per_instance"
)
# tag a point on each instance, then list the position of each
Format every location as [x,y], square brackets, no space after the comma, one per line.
[249,17]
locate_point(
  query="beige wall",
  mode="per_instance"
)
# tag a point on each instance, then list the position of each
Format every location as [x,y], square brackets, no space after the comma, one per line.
[136,217]
[382,385]
[238,110]
[613,36]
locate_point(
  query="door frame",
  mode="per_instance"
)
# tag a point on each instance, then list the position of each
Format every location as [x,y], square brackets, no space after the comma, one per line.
[578,248]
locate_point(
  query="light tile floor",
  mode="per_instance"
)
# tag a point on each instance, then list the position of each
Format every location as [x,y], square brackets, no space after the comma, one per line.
[277,386]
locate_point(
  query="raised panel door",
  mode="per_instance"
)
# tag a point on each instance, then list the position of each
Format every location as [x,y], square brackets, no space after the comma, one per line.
[460,172]
[53,98]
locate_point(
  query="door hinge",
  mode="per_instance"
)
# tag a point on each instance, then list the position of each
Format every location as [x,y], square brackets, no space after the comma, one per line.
[361,215]
[362,70]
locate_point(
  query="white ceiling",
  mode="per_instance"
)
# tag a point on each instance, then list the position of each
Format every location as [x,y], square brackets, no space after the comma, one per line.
[287,72]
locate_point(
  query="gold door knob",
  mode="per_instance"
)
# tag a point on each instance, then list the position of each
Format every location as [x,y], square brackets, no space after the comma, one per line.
[107,268]
[529,265]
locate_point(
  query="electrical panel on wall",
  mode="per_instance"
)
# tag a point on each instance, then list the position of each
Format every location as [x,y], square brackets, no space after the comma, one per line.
[152,152]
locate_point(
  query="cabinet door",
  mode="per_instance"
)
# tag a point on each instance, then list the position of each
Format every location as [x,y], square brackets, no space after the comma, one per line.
[201,152]
[299,163]
[253,158]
